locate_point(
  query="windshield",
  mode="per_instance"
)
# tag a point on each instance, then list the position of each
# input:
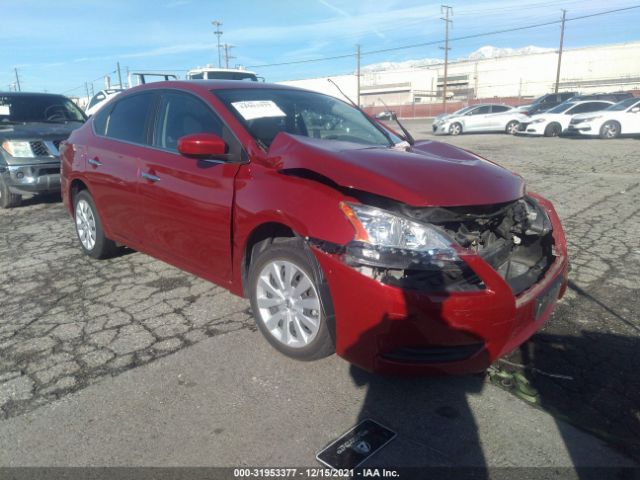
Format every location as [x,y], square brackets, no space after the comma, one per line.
[38,108]
[223,76]
[623,105]
[562,107]
[266,112]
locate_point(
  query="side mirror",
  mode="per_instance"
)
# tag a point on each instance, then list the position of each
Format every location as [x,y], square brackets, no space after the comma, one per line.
[202,145]
[635,110]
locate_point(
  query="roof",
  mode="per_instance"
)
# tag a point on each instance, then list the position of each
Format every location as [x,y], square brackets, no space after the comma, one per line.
[216,69]
[31,94]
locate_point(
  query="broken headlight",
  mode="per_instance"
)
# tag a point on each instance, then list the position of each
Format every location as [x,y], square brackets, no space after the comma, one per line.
[385,239]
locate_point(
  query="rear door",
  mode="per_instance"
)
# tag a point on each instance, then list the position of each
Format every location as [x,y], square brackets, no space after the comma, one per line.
[121,133]
[186,201]
[497,120]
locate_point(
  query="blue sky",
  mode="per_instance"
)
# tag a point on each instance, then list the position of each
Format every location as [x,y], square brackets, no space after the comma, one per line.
[58,45]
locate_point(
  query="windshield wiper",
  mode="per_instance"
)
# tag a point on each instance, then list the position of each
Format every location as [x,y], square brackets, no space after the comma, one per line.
[394,117]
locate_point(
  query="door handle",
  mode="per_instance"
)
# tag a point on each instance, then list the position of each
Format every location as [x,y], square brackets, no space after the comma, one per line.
[149,176]
[95,162]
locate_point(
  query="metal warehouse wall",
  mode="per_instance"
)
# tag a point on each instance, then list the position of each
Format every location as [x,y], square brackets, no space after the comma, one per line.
[591,69]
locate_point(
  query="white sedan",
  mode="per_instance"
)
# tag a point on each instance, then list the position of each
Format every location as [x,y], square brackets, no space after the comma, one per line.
[478,118]
[554,122]
[623,118]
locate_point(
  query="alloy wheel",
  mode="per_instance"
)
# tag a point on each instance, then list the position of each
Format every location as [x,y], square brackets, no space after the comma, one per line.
[610,130]
[288,303]
[86,224]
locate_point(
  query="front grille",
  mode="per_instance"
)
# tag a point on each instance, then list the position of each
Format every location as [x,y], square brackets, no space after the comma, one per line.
[39,149]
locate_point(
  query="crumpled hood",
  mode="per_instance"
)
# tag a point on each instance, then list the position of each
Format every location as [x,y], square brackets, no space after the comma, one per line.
[430,174]
[37,131]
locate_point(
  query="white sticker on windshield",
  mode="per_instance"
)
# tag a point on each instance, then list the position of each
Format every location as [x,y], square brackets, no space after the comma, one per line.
[252,109]
[5,110]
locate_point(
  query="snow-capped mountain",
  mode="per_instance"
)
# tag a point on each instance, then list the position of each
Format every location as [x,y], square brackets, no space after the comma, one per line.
[488,51]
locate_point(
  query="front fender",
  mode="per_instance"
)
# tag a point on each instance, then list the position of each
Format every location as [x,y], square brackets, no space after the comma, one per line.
[308,207]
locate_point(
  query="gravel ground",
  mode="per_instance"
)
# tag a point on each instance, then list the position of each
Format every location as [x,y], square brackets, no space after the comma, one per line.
[68,321]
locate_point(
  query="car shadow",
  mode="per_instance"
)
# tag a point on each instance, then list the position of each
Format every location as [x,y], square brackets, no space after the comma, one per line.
[44,199]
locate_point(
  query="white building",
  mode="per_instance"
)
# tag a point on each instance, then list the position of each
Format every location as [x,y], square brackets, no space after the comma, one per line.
[491,73]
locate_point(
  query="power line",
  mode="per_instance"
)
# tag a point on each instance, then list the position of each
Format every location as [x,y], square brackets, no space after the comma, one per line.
[436,42]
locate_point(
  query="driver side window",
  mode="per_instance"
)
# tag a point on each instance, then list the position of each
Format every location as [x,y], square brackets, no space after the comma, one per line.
[182,114]
[481,110]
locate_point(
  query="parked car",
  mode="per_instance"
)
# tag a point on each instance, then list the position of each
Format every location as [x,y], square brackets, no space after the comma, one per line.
[100,99]
[416,258]
[546,102]
[479,118]
[32,126]
[554,122]
[623,118]
[386,115]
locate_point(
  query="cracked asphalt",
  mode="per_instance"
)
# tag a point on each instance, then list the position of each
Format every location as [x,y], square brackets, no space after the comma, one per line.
[67,321]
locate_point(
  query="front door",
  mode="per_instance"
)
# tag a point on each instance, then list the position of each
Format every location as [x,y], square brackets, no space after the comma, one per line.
[186,201]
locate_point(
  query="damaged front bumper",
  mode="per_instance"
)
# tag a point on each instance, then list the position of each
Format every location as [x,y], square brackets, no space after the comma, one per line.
[393,328]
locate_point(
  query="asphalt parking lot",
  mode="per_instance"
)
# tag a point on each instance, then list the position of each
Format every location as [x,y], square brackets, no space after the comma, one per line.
[75,333]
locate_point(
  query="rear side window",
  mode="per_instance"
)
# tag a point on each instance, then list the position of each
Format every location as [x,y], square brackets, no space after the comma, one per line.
[499,108]
[100,121]
[182,114]
[128,118]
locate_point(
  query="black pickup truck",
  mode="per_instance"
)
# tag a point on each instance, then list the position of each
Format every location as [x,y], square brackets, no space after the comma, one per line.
[32,126]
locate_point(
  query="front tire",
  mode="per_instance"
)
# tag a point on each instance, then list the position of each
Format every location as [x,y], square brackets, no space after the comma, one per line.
[89,228]
[512,127]
[610,130]
[8,199]
[455,129]
[553,130]
[290,300]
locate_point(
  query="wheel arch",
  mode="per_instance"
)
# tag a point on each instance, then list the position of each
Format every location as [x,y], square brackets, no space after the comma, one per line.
[261,232]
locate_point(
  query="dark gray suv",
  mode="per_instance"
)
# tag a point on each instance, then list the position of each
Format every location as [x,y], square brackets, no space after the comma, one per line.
[32,126]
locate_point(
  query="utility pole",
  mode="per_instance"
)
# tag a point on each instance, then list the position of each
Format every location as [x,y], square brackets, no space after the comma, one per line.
[119,75]
[86,89]
[358,73]
[227,47]
[17,79]
[564,14]
[446,10]
[218,33]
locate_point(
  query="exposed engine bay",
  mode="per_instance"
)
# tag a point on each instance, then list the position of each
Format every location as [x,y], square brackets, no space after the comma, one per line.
[514,238]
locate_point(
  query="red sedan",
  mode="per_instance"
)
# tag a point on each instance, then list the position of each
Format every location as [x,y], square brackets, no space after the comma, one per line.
[401,256]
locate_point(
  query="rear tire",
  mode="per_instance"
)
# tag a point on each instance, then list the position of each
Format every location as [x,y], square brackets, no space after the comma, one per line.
[512,127]
[553,130]
[8,199]
[295,320]
[89,228]
[455,129]
[610,130]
